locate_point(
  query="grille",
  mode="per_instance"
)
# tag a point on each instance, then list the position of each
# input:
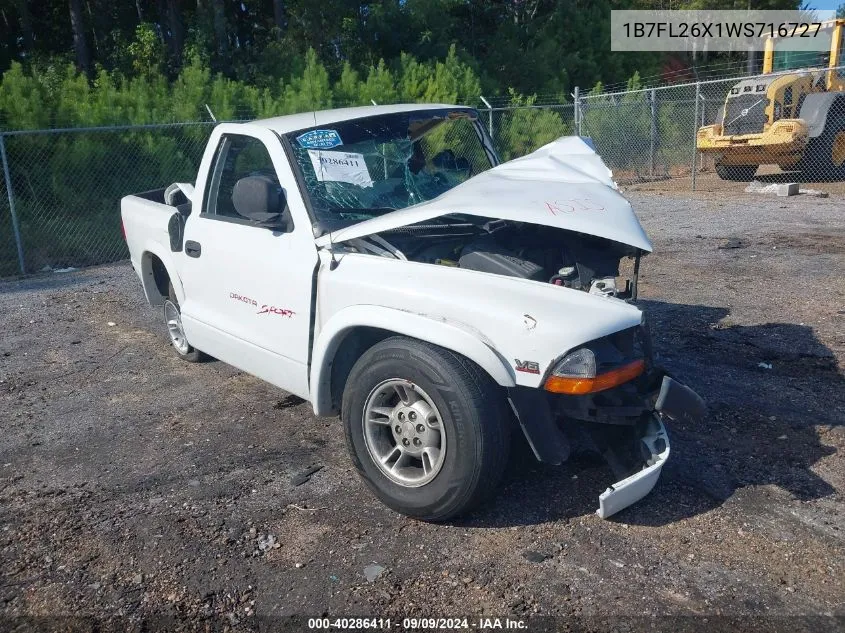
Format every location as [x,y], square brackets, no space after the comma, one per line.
[753,121]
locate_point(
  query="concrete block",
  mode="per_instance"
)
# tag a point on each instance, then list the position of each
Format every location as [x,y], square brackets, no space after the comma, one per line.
[787,189]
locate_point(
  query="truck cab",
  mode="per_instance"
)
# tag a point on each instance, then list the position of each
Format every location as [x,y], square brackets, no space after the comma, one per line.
[382,264]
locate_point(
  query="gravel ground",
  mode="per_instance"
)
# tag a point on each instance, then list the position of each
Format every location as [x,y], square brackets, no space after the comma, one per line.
[707,182]
[149,493]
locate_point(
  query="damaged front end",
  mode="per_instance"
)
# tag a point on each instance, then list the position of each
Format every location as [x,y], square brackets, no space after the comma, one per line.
[675,401]
[549,229]
[609,398]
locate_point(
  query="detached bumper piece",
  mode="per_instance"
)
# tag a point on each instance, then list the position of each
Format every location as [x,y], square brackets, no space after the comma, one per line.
[675,401]
[679,402]
[631,489]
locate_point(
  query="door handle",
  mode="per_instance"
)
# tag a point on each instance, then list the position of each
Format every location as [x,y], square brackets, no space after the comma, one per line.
[192,248]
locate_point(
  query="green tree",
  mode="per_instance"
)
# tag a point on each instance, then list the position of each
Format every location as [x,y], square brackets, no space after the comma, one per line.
[523,128]
[146,51]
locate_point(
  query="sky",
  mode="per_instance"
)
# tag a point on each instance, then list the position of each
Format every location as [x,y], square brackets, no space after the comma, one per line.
[830,5]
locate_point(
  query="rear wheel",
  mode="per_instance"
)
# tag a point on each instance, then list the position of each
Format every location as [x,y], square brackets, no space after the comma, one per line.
[741,173]
[175,331]
[427,429]
[824,158]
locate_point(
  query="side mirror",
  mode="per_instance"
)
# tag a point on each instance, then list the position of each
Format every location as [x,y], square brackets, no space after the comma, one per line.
[178,193]
[262,200]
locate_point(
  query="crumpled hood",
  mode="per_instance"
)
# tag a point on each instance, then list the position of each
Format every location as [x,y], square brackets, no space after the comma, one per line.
[564,184]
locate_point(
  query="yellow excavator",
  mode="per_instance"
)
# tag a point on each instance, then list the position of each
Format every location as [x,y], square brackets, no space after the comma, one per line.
[795,120]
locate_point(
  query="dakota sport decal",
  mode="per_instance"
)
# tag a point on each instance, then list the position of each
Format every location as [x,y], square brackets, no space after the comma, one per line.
[265,308]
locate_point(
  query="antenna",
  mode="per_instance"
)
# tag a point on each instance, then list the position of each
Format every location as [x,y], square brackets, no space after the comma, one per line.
[313,99]
[210,113]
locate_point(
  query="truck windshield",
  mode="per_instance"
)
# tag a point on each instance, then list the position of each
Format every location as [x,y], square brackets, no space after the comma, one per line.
[356,170]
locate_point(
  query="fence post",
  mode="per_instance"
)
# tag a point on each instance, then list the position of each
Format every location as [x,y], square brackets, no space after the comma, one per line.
[653,96]
[15,228]
[701,155]
[695,132]
[489,117]
[577,111]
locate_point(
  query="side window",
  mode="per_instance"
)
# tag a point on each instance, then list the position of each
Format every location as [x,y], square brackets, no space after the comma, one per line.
[237,157]
[454,150]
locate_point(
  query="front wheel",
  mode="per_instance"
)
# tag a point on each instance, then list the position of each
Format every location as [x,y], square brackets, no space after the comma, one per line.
[427,429]
[740,173]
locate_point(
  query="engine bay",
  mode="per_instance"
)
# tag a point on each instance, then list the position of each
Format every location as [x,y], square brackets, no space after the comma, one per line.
[513,249]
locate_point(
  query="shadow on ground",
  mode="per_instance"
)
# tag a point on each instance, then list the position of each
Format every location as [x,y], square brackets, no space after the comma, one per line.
[763,426]
[797,176]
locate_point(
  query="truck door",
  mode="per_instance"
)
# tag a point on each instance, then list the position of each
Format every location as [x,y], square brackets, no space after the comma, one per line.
[248,287]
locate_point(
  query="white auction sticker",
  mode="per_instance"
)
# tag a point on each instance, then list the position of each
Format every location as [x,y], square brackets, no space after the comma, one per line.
[340,167]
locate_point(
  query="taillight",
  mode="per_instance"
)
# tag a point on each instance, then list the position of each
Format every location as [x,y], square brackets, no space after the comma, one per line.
[122,229]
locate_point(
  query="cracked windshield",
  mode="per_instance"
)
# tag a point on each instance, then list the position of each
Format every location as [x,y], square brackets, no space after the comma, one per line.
[356,170]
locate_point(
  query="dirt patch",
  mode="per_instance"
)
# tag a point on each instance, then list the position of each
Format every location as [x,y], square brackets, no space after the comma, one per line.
[827,243]
[153,494]
[709,182]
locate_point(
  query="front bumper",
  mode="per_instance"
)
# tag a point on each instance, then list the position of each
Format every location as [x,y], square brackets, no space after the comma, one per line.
[550,445]
[675,401]
[631,489]
[782,143]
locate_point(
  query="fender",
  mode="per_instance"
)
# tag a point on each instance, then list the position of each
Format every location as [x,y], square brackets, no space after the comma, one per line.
[815,109]
[147,280]
[452,335]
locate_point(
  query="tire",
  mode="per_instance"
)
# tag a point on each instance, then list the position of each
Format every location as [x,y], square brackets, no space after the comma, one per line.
[450,393]
[740,173]
[175,332]
[824,158]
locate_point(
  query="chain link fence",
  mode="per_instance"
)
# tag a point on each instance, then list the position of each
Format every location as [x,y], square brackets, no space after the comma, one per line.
[774,128]
[643,135]
[59,197]
[519,130]
[66,187]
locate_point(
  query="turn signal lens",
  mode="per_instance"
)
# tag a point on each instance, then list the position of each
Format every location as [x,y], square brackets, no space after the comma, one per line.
[580,384]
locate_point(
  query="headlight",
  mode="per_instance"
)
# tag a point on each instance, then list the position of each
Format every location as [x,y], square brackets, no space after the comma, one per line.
[596,367]
[579,364]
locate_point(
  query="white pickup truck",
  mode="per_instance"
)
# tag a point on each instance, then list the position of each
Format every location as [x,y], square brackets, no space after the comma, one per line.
[380,263]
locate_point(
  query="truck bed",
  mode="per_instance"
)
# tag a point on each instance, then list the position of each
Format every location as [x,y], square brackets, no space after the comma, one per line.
[157,196]
[145,217]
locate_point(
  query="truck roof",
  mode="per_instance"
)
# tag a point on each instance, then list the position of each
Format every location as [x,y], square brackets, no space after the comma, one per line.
[293,122]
